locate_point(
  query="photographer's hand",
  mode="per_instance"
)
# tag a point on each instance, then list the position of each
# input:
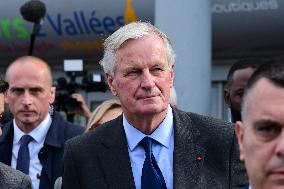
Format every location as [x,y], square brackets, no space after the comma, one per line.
[84,109]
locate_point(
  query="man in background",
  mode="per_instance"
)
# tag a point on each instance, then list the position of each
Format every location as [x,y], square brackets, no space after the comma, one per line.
[33,141]
[261,133]
[237,79]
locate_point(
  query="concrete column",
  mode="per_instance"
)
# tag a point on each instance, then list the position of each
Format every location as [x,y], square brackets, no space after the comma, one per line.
[188,25]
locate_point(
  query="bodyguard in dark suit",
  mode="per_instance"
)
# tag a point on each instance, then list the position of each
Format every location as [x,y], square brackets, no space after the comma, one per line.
[151,145]
[29,97]
[50,155]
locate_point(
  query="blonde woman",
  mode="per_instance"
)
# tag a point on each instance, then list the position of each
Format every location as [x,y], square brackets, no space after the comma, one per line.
[107,111]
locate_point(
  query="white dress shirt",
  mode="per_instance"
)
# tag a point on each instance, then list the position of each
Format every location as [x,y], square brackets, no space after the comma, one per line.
[162,150]
[38,134]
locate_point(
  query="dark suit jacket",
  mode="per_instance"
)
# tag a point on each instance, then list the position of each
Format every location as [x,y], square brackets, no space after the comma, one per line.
[244,187]
[205,156]
[50,155]
[13,179]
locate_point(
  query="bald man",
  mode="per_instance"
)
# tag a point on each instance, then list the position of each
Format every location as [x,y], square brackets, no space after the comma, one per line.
[29,97]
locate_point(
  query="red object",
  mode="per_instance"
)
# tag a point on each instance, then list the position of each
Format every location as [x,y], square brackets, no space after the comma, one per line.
[199,158]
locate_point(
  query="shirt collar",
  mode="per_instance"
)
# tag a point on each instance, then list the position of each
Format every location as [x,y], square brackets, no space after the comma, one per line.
[38,134]
[162,134]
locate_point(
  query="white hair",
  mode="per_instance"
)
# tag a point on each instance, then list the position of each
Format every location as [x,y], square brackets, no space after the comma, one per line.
[173,97]
[134,30]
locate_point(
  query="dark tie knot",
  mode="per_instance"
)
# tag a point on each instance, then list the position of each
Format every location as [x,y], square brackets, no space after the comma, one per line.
[25,140]
[146,143]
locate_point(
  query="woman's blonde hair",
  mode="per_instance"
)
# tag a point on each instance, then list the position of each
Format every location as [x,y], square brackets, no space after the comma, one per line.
[99,112]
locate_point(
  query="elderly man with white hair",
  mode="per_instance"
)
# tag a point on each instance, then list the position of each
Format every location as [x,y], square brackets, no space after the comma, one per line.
[151,145]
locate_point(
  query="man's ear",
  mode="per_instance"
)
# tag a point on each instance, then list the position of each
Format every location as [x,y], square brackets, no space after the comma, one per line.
[239,130]
[110,82]
[52,95]
[172,74]
[226,94]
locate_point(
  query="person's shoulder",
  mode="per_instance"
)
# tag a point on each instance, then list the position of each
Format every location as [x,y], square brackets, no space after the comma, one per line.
[211,121]
[9,171]
[243,187]
[58,183]
[73,129]
[7,130]
[12,177]
[70,128]
[105,132]
[6,126]
[211,133]
[205,125]
[90,142]
[201,119]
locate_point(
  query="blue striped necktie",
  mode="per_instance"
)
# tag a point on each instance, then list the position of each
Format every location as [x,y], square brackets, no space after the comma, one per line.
[152,177]
[23,160]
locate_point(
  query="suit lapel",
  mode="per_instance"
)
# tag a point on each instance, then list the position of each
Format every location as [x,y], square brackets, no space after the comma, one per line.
[244,187]
[188,155]
[51,153]
[115,159]
[45,158]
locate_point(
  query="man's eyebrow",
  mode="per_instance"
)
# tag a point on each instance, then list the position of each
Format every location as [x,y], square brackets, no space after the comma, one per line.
[14,87]
[22,88]
[266,122]
[40,88]
[130,67]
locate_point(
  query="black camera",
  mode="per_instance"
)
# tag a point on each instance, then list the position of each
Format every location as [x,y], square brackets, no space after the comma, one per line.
[89,83]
